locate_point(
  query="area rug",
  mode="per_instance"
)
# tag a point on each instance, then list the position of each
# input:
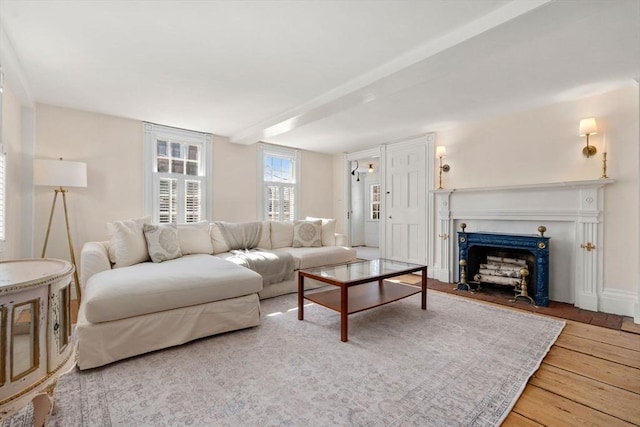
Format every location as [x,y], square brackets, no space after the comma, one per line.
[460,363]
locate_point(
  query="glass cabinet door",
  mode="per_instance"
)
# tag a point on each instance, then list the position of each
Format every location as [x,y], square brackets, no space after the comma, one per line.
[24,339]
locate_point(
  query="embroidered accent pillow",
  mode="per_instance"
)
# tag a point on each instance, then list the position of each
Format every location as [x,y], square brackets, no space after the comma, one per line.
[162,242]
[328,230]
[307,234]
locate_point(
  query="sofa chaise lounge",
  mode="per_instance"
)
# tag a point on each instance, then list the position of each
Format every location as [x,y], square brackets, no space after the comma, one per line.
[202,279]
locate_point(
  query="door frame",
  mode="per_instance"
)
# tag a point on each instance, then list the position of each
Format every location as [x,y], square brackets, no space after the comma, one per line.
[376,152]
[380,152]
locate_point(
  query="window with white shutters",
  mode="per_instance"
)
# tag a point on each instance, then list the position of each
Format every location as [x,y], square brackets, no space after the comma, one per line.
[278,175]
[177,163]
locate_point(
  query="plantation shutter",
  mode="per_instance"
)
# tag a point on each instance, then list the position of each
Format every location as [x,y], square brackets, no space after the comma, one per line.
[193,201]
[167,197]
[289,204]
[281,202]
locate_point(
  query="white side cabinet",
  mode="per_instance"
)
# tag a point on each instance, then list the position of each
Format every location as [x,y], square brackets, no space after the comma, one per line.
[36,344]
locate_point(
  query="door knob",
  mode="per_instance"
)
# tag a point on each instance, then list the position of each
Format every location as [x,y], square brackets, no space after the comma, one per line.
[389,216]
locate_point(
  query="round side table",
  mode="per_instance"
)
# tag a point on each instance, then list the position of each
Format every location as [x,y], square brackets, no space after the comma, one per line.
[36,344]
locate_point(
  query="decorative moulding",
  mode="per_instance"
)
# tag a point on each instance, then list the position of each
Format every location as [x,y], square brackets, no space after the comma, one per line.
[575,208]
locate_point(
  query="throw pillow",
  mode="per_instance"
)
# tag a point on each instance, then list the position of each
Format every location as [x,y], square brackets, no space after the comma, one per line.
[328,230]
[307,234]
[281,234]
[162,241]
[127,245]
[194,238]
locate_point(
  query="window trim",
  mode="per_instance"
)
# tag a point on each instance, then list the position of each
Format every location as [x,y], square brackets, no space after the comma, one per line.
[151,132]
[372,202]
[265,150]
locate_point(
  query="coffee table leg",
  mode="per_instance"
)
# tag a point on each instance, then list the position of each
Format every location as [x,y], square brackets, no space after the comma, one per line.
[300,296]
[424,288]
[344,313]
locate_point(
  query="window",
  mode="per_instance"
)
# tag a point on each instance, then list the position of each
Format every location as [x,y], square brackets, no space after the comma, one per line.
[177,164]
[278,178]
[375,202]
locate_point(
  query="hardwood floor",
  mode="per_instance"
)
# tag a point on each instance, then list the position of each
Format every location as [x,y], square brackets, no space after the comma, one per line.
[591,376]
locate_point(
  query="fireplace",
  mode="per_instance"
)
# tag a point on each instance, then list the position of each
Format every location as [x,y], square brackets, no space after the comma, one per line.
[530,252]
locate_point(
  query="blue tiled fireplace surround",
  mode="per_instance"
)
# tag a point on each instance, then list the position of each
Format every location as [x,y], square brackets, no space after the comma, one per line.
[474,248]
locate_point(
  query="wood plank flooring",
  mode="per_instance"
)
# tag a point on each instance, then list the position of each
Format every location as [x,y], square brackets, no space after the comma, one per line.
[590,377]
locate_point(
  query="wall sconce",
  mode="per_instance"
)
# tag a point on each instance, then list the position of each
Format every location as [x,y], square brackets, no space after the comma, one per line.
[441,150]
[588,127]
[370,168]
[355,172]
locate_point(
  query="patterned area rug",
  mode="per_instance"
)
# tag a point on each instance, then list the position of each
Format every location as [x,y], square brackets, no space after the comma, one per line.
[460,363]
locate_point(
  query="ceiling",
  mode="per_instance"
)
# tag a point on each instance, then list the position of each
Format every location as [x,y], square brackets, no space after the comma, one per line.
[329,76]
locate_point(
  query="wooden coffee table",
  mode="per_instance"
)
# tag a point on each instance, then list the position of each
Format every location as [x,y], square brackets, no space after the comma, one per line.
[360,286]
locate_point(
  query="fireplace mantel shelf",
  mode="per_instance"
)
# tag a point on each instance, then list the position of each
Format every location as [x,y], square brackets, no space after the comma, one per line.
[523,187]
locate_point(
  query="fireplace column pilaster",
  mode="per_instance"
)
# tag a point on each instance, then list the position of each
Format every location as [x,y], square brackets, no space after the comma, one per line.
[444,238]
[589,274]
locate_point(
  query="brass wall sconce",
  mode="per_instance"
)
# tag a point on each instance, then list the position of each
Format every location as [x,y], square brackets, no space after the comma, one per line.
[588,127]
[370,168]
[441,150]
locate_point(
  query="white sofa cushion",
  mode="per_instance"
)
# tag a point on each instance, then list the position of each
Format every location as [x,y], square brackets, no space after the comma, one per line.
[317,257]
[127,245]
[194,238]
[328,230]
[162,241]
[307,234]
[242,235]
[281,234]
[150,287]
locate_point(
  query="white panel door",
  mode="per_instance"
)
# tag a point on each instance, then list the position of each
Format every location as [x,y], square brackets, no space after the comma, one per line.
[406,210]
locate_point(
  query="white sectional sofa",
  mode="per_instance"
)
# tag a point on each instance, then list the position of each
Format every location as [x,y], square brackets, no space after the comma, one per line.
[202,279]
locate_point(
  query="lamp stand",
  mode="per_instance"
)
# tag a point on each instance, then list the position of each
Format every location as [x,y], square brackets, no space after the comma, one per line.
[46,239]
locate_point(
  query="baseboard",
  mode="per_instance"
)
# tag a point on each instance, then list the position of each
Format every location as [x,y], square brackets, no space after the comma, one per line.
[620,302]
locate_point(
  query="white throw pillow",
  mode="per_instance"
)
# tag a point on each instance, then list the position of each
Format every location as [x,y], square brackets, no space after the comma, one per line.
[162,241]
[307,234]
[194,238]
[127,245]
[328,230]
[281,234]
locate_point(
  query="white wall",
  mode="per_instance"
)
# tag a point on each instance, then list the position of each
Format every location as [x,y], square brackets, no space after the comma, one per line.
[112,148]
[11,138]
[542,146]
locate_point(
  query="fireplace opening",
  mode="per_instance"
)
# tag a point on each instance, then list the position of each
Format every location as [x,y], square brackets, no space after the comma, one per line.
[499,268]
[509,253]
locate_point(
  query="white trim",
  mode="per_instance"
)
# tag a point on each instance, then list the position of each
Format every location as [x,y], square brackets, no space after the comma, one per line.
[265,149]
[578,202]
[617,301]
[153,131]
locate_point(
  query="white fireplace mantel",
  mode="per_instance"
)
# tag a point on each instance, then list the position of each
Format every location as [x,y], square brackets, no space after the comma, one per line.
[572,211]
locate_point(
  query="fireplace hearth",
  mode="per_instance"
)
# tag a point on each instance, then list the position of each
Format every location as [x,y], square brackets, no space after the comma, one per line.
[483,250]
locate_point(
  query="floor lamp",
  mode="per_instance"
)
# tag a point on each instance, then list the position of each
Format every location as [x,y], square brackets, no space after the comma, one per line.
[61,174]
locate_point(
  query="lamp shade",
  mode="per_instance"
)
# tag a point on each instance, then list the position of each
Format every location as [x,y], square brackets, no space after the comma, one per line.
[59,173]
[588,127]
[441,150]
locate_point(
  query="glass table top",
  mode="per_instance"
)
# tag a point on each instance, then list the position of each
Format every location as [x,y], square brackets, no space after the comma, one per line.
[360,270]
